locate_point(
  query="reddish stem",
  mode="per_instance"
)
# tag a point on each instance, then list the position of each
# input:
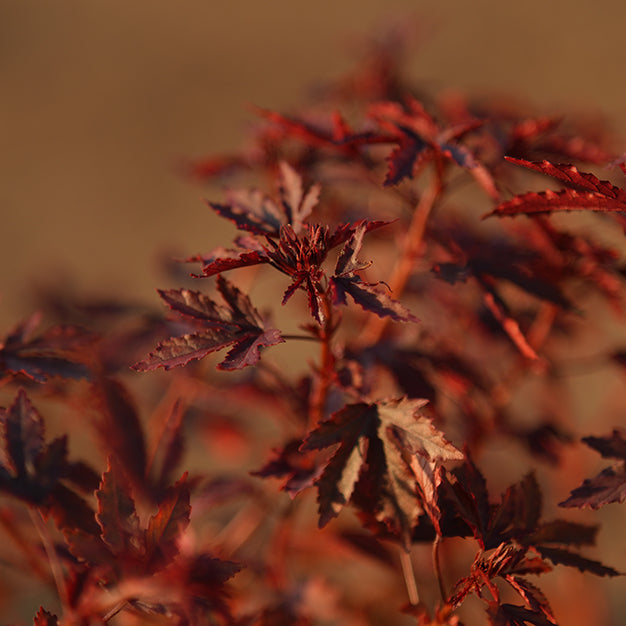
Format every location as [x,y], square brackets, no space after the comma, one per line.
[321,389]
[401,273]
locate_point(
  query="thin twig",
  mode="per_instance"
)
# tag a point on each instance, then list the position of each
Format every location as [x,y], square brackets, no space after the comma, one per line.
[437,568]
[120,606]
[319,394]
[401,273]
[409,577]
[300,337]
[30,551]
[55,565]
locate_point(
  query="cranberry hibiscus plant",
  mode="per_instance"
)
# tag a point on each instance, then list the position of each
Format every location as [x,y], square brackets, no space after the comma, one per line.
[420,362]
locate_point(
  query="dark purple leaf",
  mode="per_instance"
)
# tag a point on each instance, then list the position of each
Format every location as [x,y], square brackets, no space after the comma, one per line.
[256,213]
[43,618]
[607,487]
[119,427]
[57,352]
[238,324]
[369,296]
[117,515]
[611,447]
[23,432]
[610,484]
[166,526]
[514,615]
[560,556]
[382,443]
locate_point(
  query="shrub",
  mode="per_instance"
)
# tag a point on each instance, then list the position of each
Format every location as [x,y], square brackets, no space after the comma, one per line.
[430,376]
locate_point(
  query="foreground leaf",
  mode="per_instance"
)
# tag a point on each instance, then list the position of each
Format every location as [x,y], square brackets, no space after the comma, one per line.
[370,297]
[379,446]
[237,325]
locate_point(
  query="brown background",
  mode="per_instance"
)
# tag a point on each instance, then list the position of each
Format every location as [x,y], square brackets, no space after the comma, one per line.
[98,101]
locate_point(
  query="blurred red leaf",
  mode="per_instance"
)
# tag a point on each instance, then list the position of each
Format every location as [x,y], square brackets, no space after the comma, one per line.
[610,484]
[117,515]
[165,527]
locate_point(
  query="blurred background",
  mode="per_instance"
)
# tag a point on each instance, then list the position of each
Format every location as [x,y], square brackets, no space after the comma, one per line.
[99,102]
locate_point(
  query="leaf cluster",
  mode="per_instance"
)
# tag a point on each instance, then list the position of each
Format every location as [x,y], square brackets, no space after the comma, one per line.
[459,343]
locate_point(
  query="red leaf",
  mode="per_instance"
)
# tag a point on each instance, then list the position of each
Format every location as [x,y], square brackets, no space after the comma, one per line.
[563,532]
[367,295]
[532,595]
[559,556]
[117,515]
[298,466]
[254,212]
[513,615]
[405,159]
[607,487]
[379,443]
[57,352]
[23,431]
[43,618]
[468,491]
[611,447]
[237,324]
[573,177]
[119,427]
[610,484]
[588,193]
[543,202]
[245,259]
[165,528]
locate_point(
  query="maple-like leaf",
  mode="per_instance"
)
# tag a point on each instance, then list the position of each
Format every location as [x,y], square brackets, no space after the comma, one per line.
[44,618]
[514,615]
[166,526]
[585,192]
[202,579]
[168,450]
[421,140]
[610,484]
[297,255]
[119,426]
[381,445]
[256,213]
[38,472]
[534,136]
[533,596]
[59,351]
[23,433]
[367,295]
[296,465]
[502,264]
[237,325]
[117,515]
[607,487]
[517,517]
[509,562]
[561,556]
[120,542]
